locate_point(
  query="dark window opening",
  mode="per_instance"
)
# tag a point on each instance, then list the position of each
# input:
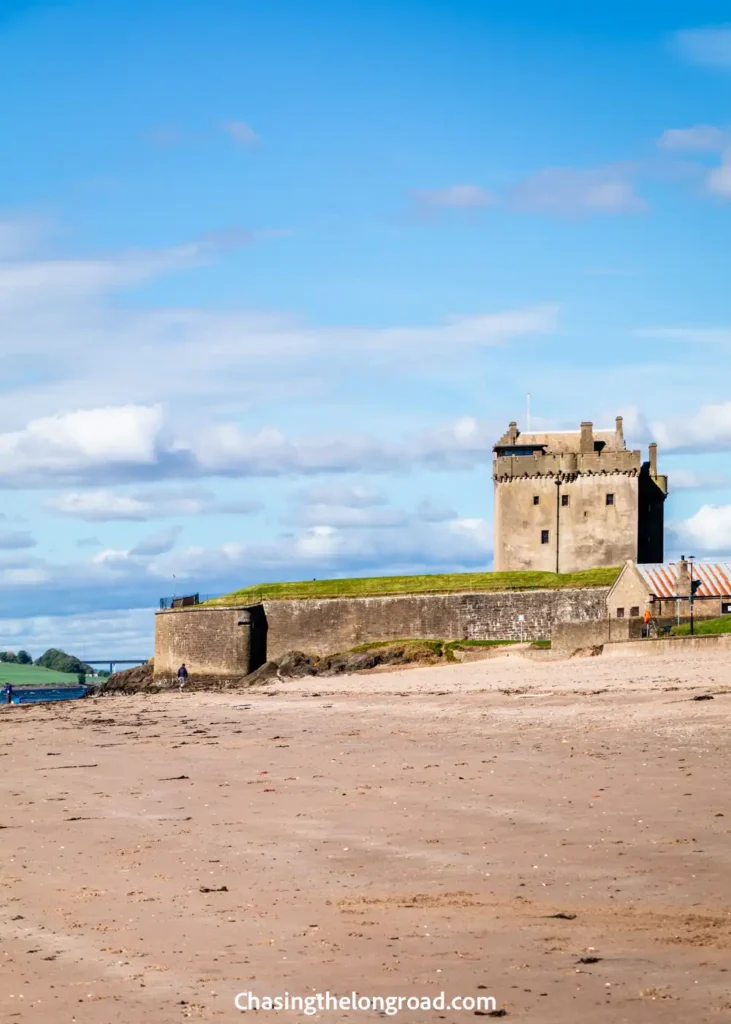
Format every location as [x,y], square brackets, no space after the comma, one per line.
[634,610]
[610,499]
[564,500]
[536,500]
[620,613]
[544,536]
[585,515]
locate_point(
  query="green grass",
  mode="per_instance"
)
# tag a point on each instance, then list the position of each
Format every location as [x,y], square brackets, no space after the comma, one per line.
[33,675]
[704,627]
[446,647]
[444,583]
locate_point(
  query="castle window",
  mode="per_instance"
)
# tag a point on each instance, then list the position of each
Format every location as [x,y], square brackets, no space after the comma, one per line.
[536,500]
[544,536]
[610,499]
[634,610]
[564,500]
[620,613]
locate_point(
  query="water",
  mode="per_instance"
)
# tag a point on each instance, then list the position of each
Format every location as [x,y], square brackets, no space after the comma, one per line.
[34,695]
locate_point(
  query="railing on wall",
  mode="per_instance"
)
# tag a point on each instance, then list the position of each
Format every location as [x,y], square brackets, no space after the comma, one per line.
[180,602]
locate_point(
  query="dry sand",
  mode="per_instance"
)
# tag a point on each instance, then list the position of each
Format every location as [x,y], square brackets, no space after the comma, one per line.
[399,833]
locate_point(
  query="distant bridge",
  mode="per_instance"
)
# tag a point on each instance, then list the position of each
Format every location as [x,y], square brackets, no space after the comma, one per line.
[115,661]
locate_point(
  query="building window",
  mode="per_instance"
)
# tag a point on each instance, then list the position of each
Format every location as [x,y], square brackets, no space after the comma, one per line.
[564,500]
[610,499]
[620,613]
[544,536]
[634,610]
[536,500]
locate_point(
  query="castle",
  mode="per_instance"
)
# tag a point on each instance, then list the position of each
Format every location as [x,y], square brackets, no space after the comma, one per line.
[578,499]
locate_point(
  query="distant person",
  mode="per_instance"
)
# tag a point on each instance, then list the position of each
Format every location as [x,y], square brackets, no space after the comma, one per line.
[8,693]
[646,619]
[182,675]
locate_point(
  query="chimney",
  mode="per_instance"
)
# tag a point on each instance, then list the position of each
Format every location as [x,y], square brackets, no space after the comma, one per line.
[586,446]
[512,432]
[653,460]
[682,582]
[619,430]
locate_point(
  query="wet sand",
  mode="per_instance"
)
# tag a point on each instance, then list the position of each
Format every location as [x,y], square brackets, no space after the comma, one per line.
[555,835]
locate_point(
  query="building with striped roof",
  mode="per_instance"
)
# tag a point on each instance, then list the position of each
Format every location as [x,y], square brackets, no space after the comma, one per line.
[665,589]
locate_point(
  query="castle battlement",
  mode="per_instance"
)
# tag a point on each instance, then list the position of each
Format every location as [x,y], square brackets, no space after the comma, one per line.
[575,499]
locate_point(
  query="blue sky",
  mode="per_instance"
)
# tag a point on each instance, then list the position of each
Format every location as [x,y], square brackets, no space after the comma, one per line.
[273,277]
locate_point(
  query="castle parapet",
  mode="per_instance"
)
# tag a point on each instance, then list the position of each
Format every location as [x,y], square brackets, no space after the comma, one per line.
[566,465]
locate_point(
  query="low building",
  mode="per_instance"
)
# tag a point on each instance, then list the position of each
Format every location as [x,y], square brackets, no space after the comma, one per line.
[665,589]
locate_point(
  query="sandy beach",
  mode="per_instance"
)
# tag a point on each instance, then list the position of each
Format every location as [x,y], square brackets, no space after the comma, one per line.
[555,835]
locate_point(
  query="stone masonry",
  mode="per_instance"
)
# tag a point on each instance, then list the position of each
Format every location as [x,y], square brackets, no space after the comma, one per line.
[572,500]
[217,643]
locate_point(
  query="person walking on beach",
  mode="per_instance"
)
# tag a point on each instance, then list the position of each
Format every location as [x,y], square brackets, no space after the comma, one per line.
[8,693]
[646,619]
[182,676]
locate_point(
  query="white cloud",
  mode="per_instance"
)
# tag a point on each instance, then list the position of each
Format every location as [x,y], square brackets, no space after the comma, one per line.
[119,634]
[241,132]
[145,504]
[326,549]
[718,180]
[133,443]
[688,334]
[347,517]
[707,429]
[708,531]
[98,506]
[17,577]
[456,197]
[350,495]
[704,138]
[61,312]
[20,236]
[157,544]
[697,480]
[78,442]
[710,46]
[570,191]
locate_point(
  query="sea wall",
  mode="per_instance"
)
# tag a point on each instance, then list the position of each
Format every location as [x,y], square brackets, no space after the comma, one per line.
[213,643]
[229,642]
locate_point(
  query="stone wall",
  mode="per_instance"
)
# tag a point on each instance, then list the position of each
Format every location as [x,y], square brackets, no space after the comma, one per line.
[337,624]
[672,648]
[581,534]
[213,643]
[574,636]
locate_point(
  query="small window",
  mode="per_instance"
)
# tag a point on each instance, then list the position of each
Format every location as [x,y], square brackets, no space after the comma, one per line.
[544,536]
[610,499]
[620,613]
[634,610]
[536,500]
[564,500]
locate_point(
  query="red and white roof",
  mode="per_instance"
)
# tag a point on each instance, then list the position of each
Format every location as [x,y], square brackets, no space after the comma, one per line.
[714,577]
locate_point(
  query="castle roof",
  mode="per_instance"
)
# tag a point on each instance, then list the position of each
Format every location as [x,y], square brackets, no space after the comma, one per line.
[712,579]
[563,442]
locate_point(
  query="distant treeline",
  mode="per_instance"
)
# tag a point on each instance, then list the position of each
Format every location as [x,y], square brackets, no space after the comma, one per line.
[54,659]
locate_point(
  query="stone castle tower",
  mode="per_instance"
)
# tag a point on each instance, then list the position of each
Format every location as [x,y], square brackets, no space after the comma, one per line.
[578,499]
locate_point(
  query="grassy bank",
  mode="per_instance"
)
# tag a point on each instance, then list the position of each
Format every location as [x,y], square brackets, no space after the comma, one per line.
[704,627]
[443,583]
[34,675]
